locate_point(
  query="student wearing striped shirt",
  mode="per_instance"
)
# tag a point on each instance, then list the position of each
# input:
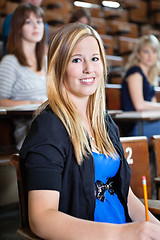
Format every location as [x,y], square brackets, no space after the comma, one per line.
[22,70]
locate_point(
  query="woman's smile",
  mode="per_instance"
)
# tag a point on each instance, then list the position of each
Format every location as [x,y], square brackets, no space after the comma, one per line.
[88,81]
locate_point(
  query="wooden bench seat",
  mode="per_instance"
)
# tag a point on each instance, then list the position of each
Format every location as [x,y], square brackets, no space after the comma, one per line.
[24,232]
[155,142]
[137,154]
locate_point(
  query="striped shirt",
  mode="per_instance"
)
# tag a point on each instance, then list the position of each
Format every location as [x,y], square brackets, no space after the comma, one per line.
[19,82]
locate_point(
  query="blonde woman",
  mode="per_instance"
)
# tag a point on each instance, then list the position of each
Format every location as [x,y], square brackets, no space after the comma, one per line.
[138,92]
[77,176]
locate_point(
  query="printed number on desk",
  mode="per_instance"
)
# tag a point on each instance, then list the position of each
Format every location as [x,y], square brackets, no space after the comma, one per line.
[129,157]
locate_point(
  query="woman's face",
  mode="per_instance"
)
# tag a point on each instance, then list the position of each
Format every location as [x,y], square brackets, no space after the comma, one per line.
[85,69]
[33,29]
[147,56]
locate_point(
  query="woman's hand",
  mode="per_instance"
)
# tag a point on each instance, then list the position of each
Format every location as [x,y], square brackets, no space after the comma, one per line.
[140,231]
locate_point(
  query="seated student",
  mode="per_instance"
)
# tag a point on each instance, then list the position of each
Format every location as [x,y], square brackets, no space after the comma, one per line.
[22,70]
[7,23]
[77,176]
[81,15]
[138,92]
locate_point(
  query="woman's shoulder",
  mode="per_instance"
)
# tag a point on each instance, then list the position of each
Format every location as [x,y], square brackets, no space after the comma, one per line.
[46,132]
[47,119]
[10,59]
[134,69]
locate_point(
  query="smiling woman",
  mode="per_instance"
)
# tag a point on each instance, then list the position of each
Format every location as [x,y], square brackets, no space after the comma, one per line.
[77,176]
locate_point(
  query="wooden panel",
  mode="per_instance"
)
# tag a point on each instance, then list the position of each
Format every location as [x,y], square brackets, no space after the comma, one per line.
[157,18]
[99,24]
[2,7]
[54,29]
[155,143]
[115,77]
[1,24]
[56,12]
[122,29]
[53,2]
[113,96]
[96,11]
[114,61]
[150,30]
[157,89]
[108,43]
[10,7]
[55,18]
[140,13]
[24,232]
[137,155]
[115,14]
[126,45]
[154,5]
[2,3]
[130,4]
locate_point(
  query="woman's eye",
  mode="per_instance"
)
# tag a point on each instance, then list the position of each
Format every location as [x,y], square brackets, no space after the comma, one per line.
[146,51]
[95,59]
[154,51]
[39,21]
[76,60]
[28,22]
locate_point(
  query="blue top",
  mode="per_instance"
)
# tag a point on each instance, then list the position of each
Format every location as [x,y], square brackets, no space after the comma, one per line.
[111,210]
[148,89]
[6,29]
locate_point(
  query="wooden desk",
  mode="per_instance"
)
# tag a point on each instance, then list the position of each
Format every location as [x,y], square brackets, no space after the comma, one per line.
[139,117]
[21,110]
[113,113]
[135,115]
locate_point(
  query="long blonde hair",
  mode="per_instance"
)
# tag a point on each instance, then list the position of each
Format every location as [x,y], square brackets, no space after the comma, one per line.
[151,41]
[59,53]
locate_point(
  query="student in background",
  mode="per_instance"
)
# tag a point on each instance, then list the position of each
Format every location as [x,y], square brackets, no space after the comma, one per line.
[138,92]
[22,70]
[77,177]
[7,23]
[81,15]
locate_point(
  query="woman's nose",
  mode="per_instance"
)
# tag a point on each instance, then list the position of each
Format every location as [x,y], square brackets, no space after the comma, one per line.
[87,67]
[35,24]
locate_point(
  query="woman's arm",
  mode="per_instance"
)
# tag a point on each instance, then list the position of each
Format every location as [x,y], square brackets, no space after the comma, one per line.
[49,223]
[5,102]
[135,86]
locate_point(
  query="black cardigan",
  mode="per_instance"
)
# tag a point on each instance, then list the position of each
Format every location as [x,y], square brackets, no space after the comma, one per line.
[50,163]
